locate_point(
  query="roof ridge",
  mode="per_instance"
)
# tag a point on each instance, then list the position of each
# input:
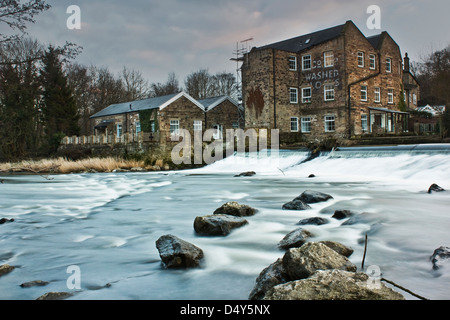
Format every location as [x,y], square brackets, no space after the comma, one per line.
[295,45]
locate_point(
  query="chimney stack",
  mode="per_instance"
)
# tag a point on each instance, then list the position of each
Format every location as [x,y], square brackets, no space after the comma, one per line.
[406,63]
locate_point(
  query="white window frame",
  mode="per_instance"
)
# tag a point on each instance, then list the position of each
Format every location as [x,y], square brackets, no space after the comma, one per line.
[328,59]
[363,93]
[360,59]
[328,88]
[119,130]
[372,61]
[330,120]
[377,92]
[138,127]
[306,59]
[294,121]
[390,96]
[306,98]
[364,123]
[388,65]
[198,125]
[218,134]
[293,95]
[174,127]
[305,123]
[292,63]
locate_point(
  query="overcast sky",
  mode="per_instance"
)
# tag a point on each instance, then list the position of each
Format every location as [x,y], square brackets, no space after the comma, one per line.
[182,36]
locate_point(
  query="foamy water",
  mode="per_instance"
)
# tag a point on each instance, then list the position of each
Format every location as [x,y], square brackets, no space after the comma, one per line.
[107,224]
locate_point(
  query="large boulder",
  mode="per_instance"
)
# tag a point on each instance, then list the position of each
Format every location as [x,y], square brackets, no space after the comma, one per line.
[333,285]
[217,224]
[284,269]
[295,205]
[310,196]
[304,261]
[177,253]
[235,209]
[295,238]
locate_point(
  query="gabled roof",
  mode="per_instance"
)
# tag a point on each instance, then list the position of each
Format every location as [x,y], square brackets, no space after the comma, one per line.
[210,103]
[307,41]
[376,40]
[145,104]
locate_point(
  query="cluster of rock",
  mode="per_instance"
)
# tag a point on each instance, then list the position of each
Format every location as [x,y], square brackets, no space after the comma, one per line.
[178,253]
[317,271]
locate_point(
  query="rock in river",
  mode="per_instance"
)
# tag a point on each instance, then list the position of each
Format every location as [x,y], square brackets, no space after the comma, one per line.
[5,268]
[217,224]
[314,220]
[332,285]
[302,262]
[295,238]
[313,257]
[434,187]
[177,253]
[310,196]
[296,205]
[246,174]
[235,209]
[440,256]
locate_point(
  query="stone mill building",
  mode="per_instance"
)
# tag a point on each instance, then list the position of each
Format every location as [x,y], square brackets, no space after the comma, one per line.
[334,83]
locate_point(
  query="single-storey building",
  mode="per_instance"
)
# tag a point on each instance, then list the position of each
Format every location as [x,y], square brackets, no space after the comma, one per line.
[158,120]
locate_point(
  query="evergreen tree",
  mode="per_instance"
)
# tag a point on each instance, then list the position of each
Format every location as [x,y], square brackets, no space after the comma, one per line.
[59,110]
[401,102]
[18,112]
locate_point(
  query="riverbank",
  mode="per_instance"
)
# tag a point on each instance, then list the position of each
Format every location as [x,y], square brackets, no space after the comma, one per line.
[64,166]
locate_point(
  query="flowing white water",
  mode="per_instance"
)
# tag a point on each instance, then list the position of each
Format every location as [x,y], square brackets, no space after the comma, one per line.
[107,224]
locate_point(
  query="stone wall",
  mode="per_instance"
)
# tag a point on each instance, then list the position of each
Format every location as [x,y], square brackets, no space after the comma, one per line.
[267,78]
[226,114]
[185,112]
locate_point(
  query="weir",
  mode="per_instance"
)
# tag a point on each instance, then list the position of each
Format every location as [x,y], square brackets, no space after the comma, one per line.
[389,151]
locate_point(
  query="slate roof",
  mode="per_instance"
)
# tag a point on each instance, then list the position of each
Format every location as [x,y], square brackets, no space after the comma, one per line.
[210,103]
[306,41]
[375,41]
[146,104]
[309,40]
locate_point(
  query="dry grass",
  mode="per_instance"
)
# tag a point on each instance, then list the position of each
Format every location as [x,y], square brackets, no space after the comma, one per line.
[62,165]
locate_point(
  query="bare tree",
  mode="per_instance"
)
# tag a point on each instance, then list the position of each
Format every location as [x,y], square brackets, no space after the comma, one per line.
[224,84]
[135,86]
[169,87]
[199,85]
[16,15]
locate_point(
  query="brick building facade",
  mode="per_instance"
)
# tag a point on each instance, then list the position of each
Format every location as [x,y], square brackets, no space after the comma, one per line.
[331,83]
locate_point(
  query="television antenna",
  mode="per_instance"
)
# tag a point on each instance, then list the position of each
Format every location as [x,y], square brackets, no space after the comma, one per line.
[242,48]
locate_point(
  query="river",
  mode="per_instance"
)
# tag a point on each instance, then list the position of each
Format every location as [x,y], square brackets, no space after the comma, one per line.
[106,224]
